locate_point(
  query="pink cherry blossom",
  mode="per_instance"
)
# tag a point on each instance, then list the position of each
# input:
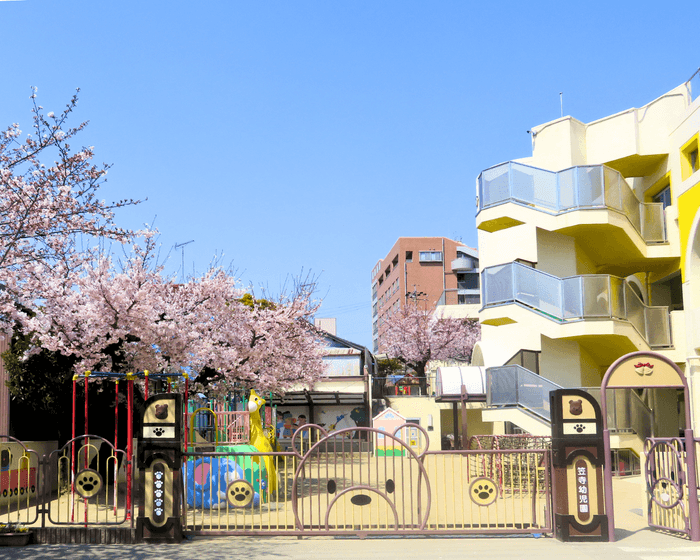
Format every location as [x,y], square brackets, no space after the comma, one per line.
[415,336]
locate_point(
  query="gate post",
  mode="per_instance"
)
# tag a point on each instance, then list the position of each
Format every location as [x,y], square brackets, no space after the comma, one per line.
[692,482]
[159,462]
[578,458]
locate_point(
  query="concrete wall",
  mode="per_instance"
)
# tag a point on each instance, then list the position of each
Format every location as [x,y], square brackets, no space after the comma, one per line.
[507,245]
[560,362]
[556,254]
[559,144]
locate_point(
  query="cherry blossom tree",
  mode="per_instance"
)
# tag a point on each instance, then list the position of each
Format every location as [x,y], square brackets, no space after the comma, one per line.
[415,336]
[131,318]
[65,289]
[48,197]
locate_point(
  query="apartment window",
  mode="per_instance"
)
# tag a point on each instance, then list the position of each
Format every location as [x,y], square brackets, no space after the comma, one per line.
[468,281]
[430,256]
[664,197]
[395,262]
[409,256]
[463,299]
[387,271]
[689,158]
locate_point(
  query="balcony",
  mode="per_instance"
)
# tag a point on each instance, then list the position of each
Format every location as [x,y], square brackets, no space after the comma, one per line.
[576,298]
[592,187]
[463,264]
[509,386]
[401,385]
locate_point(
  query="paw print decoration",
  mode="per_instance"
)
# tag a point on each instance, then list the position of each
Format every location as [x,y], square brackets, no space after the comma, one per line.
[158,432]
[579,428]
[88,483]
[483,491]
[240,493]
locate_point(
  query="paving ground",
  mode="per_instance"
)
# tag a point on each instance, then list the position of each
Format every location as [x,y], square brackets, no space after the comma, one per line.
[634,542]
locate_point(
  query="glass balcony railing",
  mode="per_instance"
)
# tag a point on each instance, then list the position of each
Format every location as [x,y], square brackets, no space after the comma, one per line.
[627,412]
[576,298]
[516,386]
[577,188]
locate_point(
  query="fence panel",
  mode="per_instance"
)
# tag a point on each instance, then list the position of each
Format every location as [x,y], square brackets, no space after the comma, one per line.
[341,483]
[19,482]
[89,478]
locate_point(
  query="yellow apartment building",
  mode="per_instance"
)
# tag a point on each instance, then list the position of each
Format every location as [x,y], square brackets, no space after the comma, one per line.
[590,249]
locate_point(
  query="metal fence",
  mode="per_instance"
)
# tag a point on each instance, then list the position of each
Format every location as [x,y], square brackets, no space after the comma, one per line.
[79,493]
[339,485]
[666,474]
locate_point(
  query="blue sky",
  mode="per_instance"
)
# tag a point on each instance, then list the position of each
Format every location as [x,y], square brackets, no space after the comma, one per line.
[294,135]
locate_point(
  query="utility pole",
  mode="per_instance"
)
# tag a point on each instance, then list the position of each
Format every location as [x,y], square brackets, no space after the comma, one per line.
[182,245]
[415,295]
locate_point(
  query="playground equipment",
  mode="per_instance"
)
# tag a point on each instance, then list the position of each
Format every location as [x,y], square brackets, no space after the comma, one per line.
[260,441]
[111,461]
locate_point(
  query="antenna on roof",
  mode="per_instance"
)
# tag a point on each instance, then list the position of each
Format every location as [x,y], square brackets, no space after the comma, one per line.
[177,246]
[561,102]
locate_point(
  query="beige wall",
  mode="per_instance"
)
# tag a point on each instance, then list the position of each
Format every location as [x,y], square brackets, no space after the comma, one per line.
[505,246]
[560,362]
[421,407]
[556,253]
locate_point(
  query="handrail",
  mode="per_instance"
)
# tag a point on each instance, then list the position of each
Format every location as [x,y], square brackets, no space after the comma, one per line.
[582,187]
[216,425]
[516,386]
[627,412]
[575,298]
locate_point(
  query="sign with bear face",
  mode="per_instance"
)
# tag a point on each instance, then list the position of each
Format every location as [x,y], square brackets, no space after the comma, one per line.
[160,419]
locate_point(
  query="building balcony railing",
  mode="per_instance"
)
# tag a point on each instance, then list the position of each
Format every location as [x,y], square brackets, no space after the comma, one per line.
[459,297]
[402,386]
[517,386]
[461,264]
[576,298]
[577,188]
[627,412]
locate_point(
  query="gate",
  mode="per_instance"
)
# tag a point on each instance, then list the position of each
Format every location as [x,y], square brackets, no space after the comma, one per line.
[74,494]
[337,484]
[666,476]
[83,484]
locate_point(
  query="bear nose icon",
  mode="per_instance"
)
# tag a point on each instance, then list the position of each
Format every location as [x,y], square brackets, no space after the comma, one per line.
[361,500]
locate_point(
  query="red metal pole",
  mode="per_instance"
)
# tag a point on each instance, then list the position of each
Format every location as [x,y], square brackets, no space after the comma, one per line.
[145,385]
[86,440]
[129,438]
[72,452]
[187,407]
[116,413]
[116,441]
[86,432]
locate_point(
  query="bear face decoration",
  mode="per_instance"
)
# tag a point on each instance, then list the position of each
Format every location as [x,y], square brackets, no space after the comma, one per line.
[576,407]
[161,411]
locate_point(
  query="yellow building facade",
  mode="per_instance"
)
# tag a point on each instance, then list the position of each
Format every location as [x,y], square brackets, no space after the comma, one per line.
[590,249]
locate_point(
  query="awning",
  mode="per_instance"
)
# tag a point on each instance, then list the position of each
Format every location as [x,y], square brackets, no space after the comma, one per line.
[317,398]
[449,381]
